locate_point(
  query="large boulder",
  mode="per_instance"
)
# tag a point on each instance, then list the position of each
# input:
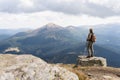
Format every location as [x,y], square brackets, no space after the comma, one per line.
[28,67]
[92,61]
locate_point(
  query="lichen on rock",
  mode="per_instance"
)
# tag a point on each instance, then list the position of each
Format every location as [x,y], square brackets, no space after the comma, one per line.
[28,67]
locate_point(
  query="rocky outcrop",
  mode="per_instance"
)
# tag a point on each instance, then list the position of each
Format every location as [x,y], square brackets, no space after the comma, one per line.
[102,73]
[28,67]
[92,61]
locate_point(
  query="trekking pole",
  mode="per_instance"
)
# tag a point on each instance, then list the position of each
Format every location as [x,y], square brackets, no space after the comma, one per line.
[85,49]
[94,50]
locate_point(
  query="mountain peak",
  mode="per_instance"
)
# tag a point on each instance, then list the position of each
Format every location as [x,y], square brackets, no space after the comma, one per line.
[50,27]
[50,24]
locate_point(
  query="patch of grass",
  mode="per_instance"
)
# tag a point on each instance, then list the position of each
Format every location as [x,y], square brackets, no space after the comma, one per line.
[75,70]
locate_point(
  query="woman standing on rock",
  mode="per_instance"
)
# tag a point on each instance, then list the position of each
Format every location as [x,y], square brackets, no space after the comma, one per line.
[90,40]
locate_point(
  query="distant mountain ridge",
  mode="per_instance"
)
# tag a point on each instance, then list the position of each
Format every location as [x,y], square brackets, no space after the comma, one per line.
[58,44]
[6,33]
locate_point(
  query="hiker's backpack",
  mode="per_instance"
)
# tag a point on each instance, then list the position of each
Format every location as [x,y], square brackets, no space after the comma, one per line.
[93,38]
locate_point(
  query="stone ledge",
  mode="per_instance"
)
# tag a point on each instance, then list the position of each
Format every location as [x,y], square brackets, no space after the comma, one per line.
[93,61]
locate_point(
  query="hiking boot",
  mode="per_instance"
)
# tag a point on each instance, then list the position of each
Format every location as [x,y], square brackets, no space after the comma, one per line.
[91,56]
[88,57]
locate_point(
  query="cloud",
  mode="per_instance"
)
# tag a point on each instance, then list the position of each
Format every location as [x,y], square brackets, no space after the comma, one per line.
[8,5]
[98,8]
[38,19]
[35,13]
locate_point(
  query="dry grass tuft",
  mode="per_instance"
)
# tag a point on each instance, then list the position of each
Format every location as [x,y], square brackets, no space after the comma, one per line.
[76,70]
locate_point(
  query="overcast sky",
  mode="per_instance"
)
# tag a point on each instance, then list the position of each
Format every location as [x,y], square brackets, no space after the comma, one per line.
[35,13]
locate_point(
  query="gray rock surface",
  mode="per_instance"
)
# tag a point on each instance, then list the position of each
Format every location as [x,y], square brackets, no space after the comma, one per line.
[28,67]
[92,61]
